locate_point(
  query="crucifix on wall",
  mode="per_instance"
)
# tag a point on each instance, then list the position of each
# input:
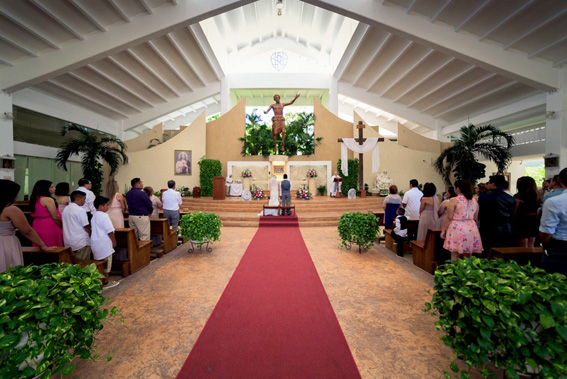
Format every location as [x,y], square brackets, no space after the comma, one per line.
[360,145]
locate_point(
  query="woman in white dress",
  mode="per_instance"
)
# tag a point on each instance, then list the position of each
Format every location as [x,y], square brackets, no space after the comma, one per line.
[274,197]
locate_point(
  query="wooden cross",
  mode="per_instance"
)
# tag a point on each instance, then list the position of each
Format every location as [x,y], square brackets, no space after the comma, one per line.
[360,141]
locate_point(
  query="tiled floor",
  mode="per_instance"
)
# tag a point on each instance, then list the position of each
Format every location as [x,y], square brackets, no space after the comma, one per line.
[378,299]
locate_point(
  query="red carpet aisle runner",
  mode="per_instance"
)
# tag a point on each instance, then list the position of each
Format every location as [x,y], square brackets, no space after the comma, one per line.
[274,319]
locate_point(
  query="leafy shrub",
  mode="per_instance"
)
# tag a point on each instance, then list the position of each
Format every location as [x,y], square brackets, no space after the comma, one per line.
[49,314]
[359,228]
[201,227]
[208,169]
[350,181]
[497,311]
[322,189]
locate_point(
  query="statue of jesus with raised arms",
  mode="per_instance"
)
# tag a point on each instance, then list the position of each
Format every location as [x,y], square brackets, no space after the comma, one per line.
[278,121]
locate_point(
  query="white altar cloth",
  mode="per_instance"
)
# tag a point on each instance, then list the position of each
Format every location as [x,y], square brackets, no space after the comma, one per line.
[235,189]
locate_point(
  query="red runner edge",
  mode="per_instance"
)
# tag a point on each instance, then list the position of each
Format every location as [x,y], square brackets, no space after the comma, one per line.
[274,319]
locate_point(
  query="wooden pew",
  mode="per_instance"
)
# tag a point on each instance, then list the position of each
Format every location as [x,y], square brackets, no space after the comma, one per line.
[379,214]
[138,252]
[424,251]
[522,255]
[160,227]
[389,240]
[34,255]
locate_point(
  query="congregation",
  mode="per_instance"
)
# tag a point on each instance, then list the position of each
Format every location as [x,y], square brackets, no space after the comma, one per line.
[80,220]
[475,221]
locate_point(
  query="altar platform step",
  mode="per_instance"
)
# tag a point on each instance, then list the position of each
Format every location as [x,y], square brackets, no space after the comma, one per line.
[321,211]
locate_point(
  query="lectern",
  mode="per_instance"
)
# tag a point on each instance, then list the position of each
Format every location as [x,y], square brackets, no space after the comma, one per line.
[218,188]
[339,182]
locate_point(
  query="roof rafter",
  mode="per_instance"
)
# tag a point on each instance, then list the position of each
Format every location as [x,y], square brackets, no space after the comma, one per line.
[408,71]
[135,76]
[186,57]
[370,60]
[30,29]
[502,22]
[89,15]
[45,9]
[458,75]
[160,78]
[392,62]
[170,65]
[535,29]
[120,11]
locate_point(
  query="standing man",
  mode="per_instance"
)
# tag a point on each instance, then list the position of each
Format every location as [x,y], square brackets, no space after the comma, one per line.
[285,190]
[496,209]
[171,200]
[553,230]
[278,121]
[139,208]
[412,200]
[85,186]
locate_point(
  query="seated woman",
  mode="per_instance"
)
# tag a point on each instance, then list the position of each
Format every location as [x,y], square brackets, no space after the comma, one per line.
[46,219]
[274,198]
[391,204]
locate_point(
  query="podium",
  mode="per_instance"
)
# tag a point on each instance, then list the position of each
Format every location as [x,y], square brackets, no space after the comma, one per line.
[218,188]
[339,182]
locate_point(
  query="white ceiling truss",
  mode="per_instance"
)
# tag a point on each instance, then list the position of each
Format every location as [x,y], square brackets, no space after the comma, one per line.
[424,63]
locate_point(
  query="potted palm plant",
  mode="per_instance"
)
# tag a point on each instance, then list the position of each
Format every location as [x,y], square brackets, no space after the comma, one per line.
[461,159]
[200,228]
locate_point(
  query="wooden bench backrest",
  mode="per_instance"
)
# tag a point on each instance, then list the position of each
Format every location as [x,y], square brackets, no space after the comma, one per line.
[159,226]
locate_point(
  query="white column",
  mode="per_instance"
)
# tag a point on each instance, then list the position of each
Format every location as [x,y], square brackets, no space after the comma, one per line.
[556,125]
[334,95]
[225,95]
[6,133]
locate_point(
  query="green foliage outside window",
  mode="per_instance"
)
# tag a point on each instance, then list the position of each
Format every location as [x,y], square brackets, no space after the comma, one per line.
[350,181]
[208,169]
[49,315]
[497,312]
[299,135]
[538,173]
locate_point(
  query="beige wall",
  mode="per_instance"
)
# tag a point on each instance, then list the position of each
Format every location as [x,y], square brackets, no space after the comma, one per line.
[143,140]
[415,141]
[157,165]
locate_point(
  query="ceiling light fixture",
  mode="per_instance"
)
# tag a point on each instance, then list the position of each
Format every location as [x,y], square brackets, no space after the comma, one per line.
[279,7]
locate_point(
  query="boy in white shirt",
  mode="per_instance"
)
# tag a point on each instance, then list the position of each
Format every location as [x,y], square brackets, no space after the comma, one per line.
[76,228]
[102,238]
[400,231]
[171,200]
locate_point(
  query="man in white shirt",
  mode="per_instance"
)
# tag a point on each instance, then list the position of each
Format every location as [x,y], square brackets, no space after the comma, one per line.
[76,228]
[412,200]
[85,186]
[171,200]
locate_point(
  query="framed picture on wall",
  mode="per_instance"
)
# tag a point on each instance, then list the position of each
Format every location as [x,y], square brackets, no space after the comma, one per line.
[182,162]
[278,169]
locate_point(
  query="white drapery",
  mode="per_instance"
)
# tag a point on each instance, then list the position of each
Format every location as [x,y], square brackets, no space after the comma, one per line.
[369,144]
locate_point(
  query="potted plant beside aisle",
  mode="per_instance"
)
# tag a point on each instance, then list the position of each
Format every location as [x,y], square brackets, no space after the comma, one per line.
[200,228]
[49,315]
[358,228]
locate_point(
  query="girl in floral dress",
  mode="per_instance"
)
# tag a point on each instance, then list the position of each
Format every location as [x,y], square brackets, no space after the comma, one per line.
[460,227]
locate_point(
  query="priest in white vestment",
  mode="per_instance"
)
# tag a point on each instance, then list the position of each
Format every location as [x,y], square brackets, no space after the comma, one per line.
[335,186]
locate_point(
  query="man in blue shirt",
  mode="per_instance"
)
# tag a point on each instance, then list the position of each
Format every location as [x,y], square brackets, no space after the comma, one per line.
[139,208]
[553,230]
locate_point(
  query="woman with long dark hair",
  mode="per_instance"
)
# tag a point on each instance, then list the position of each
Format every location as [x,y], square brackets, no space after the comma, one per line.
[62,191]
[442,211]
[12,218]
[525,226]
[460,229]
[428,217]
[46,219]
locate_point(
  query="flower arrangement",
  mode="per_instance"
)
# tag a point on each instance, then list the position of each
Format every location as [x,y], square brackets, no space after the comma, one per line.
[257,193]
[303,194]
[246,173]
[311,173]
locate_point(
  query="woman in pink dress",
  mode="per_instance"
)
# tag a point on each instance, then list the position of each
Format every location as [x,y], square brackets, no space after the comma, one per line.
[117,204]
[460,227]
[46,219]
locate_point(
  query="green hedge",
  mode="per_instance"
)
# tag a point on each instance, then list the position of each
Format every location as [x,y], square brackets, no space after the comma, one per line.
[208,169]
[350,181]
